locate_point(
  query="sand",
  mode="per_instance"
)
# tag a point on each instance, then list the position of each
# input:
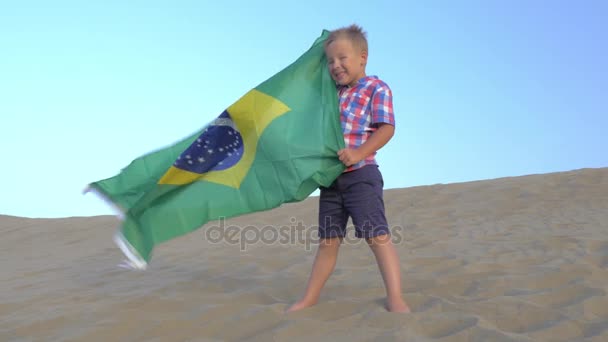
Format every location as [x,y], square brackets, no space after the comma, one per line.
[510,259]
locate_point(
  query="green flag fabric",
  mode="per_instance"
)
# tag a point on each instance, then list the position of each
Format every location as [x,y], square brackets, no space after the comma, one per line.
[278,143]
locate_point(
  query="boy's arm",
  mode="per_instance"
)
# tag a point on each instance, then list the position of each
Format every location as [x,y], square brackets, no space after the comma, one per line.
[379,138]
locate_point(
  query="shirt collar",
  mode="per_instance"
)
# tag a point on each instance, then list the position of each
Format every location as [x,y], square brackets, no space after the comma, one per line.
[363,79]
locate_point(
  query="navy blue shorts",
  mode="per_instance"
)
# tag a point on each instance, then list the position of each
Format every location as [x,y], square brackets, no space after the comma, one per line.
[356,194]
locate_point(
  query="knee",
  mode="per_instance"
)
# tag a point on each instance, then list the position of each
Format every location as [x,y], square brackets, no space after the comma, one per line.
[382,239]
[330,243]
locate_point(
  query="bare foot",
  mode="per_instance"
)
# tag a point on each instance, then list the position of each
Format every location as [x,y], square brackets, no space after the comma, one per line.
[299,305]
[397,305]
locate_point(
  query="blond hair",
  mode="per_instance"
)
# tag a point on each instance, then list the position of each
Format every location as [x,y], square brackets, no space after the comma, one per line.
[354,33]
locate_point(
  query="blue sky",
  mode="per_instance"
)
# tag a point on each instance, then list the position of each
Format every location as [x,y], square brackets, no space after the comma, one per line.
[482,89]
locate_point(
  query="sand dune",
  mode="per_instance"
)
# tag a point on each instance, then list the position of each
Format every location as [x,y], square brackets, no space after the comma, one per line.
[510,259]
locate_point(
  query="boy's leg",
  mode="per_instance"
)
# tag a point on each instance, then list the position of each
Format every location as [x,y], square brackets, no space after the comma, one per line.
[332,226]
[323,266]
[390,268]
[365,204]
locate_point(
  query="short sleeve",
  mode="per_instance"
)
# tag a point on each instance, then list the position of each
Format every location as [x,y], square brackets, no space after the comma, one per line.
[382,105]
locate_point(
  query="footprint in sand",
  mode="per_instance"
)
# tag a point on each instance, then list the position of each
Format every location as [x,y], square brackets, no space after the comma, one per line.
[564,296]
[513,315]
[442,325]
[596,308]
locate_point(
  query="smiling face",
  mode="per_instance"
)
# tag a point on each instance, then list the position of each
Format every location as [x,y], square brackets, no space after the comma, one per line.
[345,61]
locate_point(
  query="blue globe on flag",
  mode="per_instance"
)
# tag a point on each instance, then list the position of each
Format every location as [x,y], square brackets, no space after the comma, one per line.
[219,147]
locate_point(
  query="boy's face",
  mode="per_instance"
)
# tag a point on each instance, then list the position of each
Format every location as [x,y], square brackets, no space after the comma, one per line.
[345,62]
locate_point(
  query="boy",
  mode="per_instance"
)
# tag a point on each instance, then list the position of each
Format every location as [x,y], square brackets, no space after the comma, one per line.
[368,124]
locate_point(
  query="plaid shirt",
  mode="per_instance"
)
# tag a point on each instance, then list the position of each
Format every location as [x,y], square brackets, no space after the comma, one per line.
[362,107]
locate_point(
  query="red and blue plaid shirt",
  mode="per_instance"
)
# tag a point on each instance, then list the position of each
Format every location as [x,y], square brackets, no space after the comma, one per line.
[362,107]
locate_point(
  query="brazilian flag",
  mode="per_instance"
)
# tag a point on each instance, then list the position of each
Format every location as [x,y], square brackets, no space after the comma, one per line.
[276,144]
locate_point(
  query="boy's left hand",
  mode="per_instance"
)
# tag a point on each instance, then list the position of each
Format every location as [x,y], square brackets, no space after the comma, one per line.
[349,156]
